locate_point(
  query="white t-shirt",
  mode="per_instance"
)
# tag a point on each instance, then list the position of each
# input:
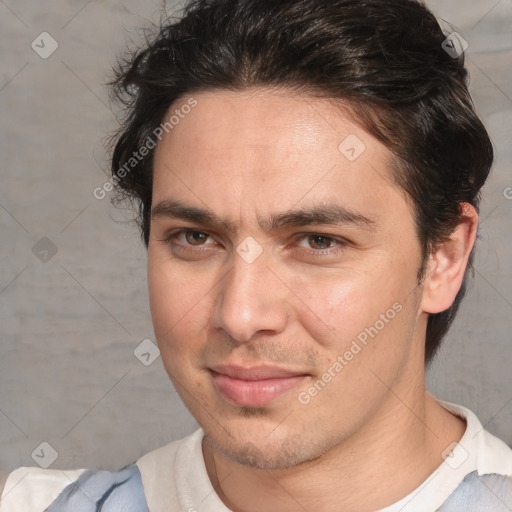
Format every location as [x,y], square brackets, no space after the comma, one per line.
[476,477]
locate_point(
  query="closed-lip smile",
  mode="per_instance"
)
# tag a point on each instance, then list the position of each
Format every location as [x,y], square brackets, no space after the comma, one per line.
[254,386]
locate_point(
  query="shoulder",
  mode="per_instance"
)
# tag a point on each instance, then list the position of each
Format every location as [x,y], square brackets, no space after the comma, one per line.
[34,489]
[133,488]
[166,471]
[480,474]
[481,493]
[494,455]
[485,452]
[82,490]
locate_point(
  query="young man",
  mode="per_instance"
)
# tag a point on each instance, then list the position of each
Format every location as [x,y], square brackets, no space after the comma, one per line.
[308,174]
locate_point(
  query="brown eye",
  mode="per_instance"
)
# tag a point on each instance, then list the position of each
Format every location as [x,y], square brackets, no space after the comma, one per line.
[195,237]
[320,241]
[318,244]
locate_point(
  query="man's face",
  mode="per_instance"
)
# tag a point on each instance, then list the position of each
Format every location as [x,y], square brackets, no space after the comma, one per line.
[250,329]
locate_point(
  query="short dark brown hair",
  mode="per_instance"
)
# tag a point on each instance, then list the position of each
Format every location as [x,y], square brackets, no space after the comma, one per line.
[384,58]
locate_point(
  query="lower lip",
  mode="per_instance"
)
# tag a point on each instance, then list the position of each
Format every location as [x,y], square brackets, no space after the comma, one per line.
[253,393]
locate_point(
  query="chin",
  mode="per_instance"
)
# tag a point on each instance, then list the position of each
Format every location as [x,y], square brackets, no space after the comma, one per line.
[254,448]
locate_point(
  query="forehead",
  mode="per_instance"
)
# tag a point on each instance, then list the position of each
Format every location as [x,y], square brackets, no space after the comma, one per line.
[271,150]
[282,120]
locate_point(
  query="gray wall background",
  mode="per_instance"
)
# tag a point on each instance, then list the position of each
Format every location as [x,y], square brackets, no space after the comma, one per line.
[70,321]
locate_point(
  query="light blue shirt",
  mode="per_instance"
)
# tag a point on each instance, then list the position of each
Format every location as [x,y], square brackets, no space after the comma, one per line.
[476,476]
[103,491]
[122,491]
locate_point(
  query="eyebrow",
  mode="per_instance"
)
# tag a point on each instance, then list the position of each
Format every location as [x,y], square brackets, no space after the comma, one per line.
[326,213]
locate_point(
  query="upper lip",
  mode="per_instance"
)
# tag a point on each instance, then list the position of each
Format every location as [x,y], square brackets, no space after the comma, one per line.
[259,372]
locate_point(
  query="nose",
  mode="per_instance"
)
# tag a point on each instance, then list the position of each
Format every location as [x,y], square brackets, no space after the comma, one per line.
[251,299]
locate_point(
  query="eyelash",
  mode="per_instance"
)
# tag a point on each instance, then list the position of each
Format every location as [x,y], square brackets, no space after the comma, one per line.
[317,252]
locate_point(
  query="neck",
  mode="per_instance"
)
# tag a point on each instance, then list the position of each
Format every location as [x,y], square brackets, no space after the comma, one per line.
[381,463]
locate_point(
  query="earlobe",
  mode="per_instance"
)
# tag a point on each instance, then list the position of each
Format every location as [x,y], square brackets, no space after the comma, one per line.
[447,264]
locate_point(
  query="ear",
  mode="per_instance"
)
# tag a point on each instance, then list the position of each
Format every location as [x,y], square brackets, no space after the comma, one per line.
[447,264]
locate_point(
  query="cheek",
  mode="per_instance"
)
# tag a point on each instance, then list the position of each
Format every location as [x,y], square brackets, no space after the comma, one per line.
[335,308]
[175,303]
[363,317]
